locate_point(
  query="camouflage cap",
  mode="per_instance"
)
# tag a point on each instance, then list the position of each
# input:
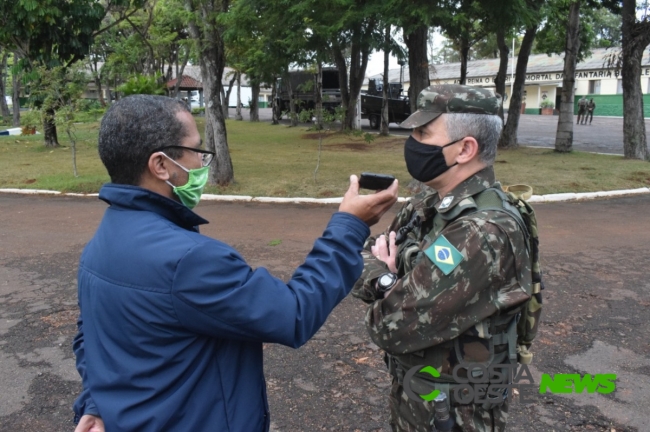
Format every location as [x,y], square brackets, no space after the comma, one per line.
[452,98]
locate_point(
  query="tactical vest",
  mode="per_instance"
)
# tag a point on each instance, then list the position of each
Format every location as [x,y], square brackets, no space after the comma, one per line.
[510,334]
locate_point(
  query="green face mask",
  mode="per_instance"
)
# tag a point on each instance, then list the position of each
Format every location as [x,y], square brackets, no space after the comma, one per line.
[190,192]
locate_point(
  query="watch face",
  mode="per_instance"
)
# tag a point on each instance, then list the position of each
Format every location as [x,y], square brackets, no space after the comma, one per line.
[386,281]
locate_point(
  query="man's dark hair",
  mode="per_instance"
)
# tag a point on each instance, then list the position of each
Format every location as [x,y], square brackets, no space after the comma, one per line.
[133,128]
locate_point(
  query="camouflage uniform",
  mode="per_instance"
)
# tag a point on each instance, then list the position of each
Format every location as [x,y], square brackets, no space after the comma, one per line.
[438,320]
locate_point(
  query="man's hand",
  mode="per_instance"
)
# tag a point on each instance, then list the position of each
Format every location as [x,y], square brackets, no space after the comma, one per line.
[90,423]
[386,252]
[368,208]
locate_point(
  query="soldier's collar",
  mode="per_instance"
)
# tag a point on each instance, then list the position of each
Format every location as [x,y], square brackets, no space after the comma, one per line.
[460,198]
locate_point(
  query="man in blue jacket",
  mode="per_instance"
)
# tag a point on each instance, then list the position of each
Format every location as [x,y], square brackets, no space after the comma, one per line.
[172,322]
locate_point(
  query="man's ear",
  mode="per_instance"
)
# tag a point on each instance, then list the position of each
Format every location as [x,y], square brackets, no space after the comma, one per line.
[469,150]
[157,166]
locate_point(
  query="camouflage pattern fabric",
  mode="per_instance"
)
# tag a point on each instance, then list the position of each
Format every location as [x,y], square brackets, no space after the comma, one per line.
[452,98]
[431,318]
[407,416]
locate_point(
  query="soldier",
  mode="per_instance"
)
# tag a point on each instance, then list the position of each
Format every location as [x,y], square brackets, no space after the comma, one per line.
[591,107]
[582,109]
[447,279]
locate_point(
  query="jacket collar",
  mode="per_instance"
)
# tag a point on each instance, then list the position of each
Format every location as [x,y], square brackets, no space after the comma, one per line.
[137,198]
[428,203]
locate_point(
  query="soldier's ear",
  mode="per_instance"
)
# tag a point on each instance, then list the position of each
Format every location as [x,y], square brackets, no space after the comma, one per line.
[468,150]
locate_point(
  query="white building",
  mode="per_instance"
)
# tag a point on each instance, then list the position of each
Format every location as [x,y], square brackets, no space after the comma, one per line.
[544,80]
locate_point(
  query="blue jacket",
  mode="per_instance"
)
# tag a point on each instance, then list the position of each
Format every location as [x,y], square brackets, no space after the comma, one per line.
[172,322]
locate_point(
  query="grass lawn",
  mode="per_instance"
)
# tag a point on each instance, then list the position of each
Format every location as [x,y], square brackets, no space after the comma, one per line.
[280,161]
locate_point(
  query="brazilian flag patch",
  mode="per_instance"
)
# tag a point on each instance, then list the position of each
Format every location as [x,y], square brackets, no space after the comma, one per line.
[444,255]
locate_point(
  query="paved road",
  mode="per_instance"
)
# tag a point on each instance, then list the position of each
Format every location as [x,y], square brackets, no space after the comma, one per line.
[604,135]
[596,316]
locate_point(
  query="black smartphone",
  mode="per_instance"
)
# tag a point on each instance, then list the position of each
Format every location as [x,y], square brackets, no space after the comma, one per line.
[375,181]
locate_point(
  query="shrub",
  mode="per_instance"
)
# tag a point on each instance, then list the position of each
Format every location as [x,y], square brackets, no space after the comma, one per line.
[547,104]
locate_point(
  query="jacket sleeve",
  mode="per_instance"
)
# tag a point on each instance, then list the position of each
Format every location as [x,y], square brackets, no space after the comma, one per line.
[215,292]
[84,403]
[427,307]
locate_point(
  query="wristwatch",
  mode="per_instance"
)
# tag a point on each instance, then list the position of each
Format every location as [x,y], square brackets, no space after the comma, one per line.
[385,282]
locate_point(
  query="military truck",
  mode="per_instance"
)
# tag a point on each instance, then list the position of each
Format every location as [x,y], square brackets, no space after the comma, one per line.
[371,101]
[303,87]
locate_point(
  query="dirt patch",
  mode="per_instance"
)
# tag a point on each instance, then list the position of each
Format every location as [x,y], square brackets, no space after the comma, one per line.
[640,176]
[316,135]
[364,146]
[61,318]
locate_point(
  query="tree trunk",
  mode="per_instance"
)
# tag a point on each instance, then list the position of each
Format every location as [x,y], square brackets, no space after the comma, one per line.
[275,117]
[318,92]
[564,135]
[292,103]
[500,80]
[464,57]
[224,103]
[509,135]
[226,95]
[179,73]
[383,129]
[342,67]
[636,37]
[238,116]
[49,129]
[210,47]
[255,106]
[16,95]
[100,91]
[416,42]
[358,62]
[4,109]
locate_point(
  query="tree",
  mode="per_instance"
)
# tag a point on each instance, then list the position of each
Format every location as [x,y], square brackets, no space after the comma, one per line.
[62,87]
[564,135]
[15,79]
[207,31]
[569,30]
[267,40]
[636,37]
[4,109]
[508,137]
[143,84]
[465,27]
[52,33]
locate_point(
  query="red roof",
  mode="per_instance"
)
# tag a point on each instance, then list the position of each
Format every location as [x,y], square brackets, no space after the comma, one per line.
[186,83]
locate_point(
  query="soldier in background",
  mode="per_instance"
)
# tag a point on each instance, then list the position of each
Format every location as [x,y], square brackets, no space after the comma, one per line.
[582,109]
[591,107]
[446,280]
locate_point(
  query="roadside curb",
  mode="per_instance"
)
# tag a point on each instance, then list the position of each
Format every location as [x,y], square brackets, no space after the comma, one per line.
[559,197]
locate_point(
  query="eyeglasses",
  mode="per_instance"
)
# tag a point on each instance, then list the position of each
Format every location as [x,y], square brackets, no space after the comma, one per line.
[206,155]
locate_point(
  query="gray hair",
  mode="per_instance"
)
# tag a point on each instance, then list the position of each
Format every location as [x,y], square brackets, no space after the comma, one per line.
[486,129]
[133,128]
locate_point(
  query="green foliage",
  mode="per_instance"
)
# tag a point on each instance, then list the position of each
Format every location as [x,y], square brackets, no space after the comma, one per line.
[276,242]
[143,84]
[599,27]
[31,118]
[546,103]
[87,105]
[198,111]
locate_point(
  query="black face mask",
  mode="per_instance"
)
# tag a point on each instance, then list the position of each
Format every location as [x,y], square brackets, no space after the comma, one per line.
[425,162]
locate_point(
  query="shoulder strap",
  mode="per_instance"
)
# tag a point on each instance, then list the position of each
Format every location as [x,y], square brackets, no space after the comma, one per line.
[493,198]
